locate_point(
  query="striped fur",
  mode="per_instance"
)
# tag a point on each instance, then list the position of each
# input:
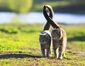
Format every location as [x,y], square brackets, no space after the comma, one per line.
[59,41]
[45,42]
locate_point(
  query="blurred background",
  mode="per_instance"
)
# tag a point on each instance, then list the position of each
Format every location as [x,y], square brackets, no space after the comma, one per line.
[21,22]
[30,11]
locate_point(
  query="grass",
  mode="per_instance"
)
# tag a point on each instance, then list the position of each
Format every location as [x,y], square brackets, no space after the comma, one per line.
[19,46]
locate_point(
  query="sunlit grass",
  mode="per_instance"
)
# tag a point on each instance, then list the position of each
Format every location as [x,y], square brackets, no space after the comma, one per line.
[22,42]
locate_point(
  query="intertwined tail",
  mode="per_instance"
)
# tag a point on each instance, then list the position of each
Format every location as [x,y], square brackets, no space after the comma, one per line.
[50,11]
[49,17]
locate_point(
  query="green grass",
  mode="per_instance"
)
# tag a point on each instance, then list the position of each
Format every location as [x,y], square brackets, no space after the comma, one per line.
[19,46]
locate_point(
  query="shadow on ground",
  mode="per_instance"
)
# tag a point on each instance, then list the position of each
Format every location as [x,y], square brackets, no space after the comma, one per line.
[5,56]
[77,38]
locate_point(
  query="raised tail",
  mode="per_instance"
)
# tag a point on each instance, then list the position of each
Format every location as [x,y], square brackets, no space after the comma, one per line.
[48,9]
[49,17]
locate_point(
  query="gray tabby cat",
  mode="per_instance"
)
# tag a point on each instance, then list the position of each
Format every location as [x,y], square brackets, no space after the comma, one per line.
[45,42]
[59,40]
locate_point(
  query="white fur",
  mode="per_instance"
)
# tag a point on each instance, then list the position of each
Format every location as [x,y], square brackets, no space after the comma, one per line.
[48,32]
